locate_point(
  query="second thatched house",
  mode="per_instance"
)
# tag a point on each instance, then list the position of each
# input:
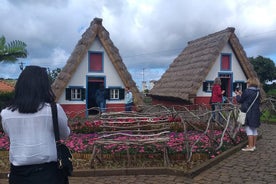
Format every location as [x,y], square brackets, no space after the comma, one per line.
[189,78]
[94,62]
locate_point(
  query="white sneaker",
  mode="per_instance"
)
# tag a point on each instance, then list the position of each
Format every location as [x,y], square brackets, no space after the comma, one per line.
[248,149]
[254,147]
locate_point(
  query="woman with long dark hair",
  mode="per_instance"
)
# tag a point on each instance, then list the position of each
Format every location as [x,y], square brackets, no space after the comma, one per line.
[28,123]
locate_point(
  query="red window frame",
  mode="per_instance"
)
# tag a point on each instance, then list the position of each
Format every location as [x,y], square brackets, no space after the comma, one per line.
[225,62]
[95,62]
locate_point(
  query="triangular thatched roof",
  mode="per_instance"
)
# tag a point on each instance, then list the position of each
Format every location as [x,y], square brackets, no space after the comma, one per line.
[188,71]
[95,29]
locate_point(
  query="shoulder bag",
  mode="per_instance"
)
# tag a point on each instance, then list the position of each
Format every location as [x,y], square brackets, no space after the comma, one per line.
[242,115]
[64,156]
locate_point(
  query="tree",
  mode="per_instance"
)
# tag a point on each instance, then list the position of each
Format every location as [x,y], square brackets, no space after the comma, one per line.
[52,74]
[264,67]
[10,52]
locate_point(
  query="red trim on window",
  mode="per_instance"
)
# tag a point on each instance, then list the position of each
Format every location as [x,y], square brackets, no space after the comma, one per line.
[96,62]
[95,80]
[225,62]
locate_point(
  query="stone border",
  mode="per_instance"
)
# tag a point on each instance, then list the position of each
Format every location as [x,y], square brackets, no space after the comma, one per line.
[160,170]
[156,170]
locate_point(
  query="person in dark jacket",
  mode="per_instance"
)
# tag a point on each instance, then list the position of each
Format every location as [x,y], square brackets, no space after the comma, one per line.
[252,120]
[100,98]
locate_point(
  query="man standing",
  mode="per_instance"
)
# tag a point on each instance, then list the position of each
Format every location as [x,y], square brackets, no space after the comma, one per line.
[128,100]
[100,98]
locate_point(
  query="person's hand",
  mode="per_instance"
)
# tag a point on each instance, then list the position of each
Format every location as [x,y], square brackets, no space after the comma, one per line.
[238,92]
[223,91]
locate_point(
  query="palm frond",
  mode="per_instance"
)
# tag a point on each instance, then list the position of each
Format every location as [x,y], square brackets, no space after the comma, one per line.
[2,43]
[17,47]
[12,51]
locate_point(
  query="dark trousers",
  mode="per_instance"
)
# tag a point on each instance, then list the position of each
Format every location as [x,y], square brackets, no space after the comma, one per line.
[128,107]
[216,109]
[46,173]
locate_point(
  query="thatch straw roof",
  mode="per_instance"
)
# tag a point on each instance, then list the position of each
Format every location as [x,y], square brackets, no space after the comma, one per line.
[95,29]
[188,71]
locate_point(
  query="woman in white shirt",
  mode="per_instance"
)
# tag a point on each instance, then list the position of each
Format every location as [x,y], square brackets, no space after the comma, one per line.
[28,123]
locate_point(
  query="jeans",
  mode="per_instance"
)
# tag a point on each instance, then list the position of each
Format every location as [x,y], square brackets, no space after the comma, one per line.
[128,107]
[101,106]
[216,109]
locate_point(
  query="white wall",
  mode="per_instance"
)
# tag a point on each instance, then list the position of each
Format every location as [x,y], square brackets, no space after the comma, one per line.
[237,72]
[80,76]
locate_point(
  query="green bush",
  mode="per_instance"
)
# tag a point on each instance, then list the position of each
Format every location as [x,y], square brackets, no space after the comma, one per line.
[147,100]
[5,98]
[268,116]
[272,93]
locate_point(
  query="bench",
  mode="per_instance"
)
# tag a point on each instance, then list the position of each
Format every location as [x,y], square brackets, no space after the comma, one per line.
[128,130]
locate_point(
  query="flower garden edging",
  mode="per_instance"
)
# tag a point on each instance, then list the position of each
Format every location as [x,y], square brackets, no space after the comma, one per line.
[153,170]
[160,170]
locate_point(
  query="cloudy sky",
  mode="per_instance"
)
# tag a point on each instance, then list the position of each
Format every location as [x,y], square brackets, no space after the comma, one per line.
[148,33]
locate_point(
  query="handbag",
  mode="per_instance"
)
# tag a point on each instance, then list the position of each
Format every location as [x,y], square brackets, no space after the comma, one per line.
[64,156]
[242,115]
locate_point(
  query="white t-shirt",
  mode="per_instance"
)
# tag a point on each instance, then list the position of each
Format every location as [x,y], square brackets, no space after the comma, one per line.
[128,97]
[32,139]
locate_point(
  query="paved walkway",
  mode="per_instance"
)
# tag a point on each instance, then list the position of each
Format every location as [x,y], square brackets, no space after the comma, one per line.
[258,167]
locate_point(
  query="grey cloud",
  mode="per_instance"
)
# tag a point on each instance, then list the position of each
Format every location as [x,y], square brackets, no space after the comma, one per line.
[55,3]
[146,38]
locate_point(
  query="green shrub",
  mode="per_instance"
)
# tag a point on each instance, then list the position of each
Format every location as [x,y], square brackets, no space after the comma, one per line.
[272,93]
[268,116]
[5,98]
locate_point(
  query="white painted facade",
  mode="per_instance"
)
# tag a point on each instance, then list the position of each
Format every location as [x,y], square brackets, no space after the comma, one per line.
[144,85]
[151,84]
[236,70]
[79,78]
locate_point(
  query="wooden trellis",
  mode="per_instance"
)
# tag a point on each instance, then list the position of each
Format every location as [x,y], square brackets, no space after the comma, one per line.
[196,117]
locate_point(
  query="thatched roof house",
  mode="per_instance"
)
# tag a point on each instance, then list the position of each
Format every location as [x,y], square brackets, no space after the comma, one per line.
[94,33]
[201,61]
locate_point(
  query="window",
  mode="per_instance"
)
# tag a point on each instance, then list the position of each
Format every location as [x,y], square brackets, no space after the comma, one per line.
[225,62]
[240,85]
[207,86]
[116,93]
[75,93]
[95,62]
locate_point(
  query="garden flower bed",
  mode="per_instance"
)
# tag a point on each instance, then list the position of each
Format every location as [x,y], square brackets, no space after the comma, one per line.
[179,146]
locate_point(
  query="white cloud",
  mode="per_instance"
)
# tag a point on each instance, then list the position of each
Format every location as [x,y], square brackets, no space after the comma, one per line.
[57,59]
[148,33]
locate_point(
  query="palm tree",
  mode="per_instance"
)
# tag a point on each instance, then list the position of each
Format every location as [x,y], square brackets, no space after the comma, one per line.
[12,51]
